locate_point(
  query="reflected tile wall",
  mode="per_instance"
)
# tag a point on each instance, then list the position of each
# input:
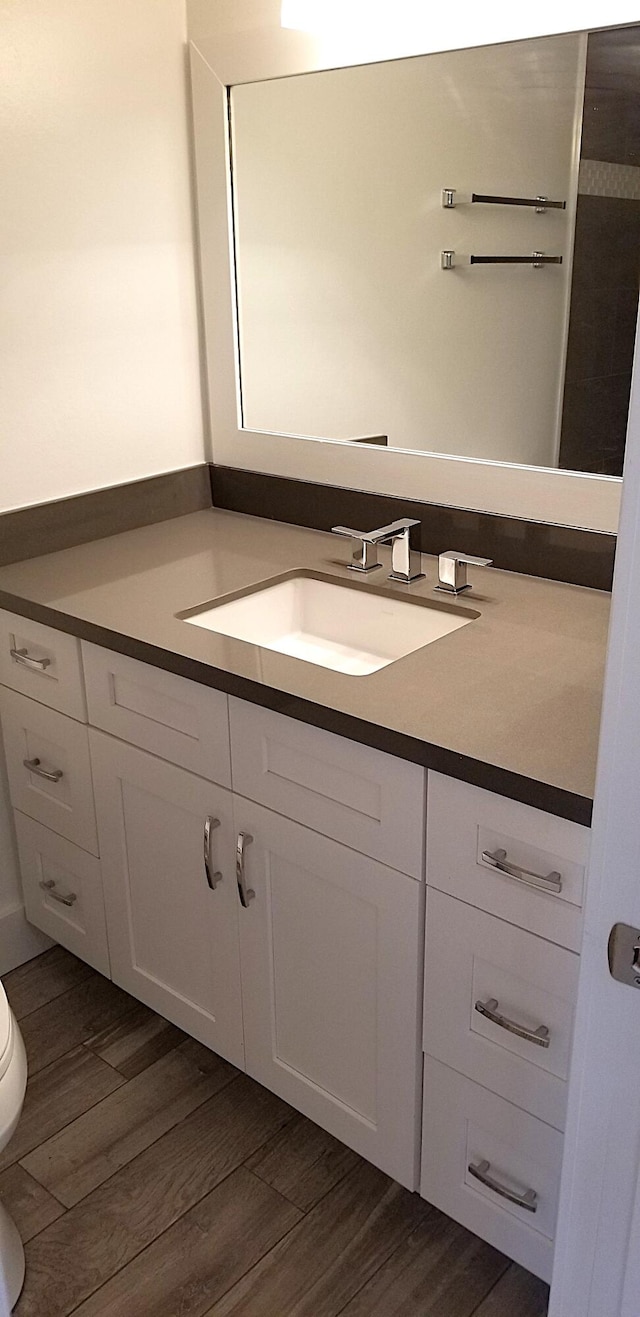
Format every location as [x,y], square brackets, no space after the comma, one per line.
[606,270]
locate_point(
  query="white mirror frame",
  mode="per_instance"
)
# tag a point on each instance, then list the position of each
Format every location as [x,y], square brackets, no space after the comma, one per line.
[235,41]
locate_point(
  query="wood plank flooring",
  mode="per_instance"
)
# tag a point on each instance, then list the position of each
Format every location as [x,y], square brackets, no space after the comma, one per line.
[148,1178]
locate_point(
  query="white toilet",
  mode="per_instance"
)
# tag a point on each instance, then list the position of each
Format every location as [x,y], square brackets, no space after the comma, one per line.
[13,1082]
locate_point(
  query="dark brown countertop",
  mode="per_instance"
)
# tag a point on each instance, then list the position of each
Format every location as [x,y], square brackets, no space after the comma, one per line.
[510,703]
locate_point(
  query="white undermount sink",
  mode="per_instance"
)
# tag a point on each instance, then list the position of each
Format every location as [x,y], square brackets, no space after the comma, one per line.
[349,629]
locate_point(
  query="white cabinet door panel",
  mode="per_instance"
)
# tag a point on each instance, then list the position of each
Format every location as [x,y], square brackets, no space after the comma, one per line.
[364,798]
[330,947]
[173,938]
[159,711]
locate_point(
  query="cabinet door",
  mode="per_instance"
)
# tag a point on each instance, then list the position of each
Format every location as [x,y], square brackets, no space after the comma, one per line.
[173,938]
[330,945]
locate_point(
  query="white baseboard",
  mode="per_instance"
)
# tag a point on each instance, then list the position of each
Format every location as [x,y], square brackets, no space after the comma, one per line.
[19,940]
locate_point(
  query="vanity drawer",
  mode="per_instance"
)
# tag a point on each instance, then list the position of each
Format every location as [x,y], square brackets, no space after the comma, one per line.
[42,663]
[472,957]
[368,800]
[57,790]
[62,888]
[159,711]
[464,1126]
[465,822]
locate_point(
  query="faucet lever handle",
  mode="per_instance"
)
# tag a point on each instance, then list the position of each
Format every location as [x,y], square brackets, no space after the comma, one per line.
[468,558]
[364,553]
[387,533]
[377,536]
[349,532]
[452,570]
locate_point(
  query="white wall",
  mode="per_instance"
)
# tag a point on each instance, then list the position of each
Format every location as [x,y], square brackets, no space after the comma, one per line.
[99,357]
[99,365]
[348,325]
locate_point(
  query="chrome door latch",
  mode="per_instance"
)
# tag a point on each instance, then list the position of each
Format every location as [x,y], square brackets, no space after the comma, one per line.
[623,951]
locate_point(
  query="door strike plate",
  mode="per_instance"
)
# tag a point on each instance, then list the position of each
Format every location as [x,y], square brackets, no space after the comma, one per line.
[623,951]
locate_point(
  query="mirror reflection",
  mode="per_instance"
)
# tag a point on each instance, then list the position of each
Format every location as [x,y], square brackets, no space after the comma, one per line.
[442,253]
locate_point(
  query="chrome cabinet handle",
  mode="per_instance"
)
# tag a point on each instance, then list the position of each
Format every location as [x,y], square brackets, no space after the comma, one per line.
[245,893]
[551,882]
[528,1199]
[49,886]
[213,876]
[51,775]
[489,1009]
[23,656]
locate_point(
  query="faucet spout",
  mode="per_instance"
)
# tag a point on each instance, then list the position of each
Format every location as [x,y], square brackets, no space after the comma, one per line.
[404,538]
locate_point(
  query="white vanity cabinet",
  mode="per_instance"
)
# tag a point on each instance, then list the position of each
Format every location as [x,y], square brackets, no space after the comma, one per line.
[297,959]
[261,883]
[299,962]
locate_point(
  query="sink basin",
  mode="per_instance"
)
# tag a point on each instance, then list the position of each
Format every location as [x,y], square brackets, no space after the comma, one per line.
[350,629]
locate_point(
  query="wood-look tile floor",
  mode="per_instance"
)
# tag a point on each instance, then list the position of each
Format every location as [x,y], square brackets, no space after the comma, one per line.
[149,1178]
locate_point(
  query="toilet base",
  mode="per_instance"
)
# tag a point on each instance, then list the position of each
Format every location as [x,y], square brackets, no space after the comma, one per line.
[11,1263]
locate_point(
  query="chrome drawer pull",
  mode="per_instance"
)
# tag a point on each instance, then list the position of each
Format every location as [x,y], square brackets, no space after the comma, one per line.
[528,1199]
[51,775]
[49,886]
[489,1009]
[245,893]
[551,882]
[213,878]
[23,656]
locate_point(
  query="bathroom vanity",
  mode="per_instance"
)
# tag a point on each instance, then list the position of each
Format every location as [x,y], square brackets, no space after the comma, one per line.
[316,874]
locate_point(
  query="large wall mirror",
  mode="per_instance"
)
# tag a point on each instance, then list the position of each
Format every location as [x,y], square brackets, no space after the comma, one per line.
[437,257]
[356,189]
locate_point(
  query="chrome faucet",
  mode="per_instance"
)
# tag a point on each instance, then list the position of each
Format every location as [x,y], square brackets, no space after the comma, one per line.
[404,538]
[452,570]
